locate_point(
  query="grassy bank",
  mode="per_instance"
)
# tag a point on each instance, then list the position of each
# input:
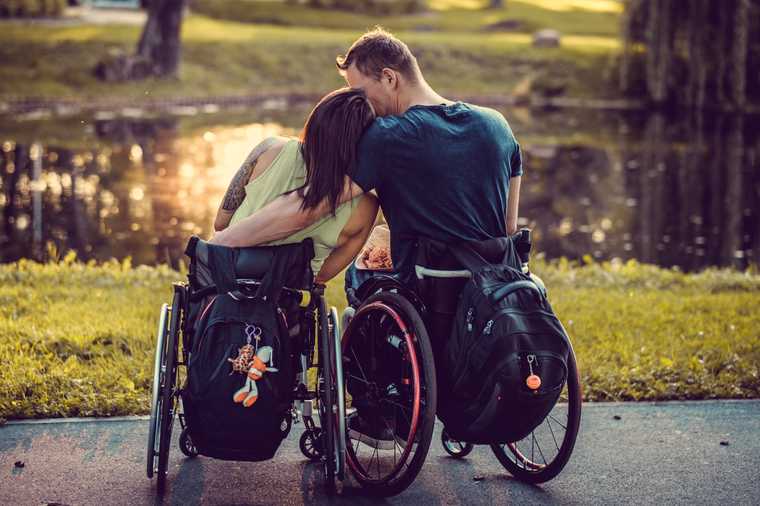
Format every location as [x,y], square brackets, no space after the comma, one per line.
[77,340]
[222,57]
[570,17]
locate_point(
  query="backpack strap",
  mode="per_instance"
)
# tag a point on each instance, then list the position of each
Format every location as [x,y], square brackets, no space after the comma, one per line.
[505,290]
[221,262]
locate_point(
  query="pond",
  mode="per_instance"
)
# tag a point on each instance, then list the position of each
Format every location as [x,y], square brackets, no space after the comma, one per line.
[665,189]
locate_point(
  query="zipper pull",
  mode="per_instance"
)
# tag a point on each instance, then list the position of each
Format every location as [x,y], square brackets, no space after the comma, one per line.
[470,318]
[489,325]
[531,358]
[533,381]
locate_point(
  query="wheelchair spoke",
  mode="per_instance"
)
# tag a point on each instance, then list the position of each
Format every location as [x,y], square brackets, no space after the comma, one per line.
[557,421]
[348,375]
[552,432]
[538,446]
[358,363]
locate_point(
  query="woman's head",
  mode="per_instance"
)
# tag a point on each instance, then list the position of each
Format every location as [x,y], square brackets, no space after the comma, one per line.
[330,143]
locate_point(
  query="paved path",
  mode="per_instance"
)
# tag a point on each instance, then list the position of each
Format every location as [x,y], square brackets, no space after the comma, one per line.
[666,453]
[86,14]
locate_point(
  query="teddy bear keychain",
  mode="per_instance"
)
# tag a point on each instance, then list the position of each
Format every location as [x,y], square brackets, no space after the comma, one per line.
[251,361]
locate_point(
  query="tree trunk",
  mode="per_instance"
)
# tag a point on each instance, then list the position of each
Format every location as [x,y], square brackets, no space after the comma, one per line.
[659,49]
[739,53]
[698,24]
[160,39]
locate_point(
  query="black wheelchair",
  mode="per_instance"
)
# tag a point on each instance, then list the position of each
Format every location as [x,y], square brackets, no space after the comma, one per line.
[314,330]
[388,318]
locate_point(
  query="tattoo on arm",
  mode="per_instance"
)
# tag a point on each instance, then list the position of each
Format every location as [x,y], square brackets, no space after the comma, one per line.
[236,191]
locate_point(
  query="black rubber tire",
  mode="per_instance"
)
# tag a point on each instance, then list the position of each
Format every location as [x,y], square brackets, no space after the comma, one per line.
[186,445]
[412,319]
[155,410]
[326,399]
[311,444]
[553,468]
[460,453]
[168,396]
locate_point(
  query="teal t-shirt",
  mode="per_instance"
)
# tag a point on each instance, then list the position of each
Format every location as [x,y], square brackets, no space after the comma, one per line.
[440,172]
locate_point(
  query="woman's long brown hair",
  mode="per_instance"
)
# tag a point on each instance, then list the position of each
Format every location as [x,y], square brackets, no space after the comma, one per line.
[329,144]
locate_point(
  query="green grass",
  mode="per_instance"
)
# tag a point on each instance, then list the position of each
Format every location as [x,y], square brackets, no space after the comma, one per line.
[77,340]
[231,58]
[571,17]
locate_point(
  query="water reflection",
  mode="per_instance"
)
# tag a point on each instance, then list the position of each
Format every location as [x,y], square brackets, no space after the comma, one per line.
[668,190]
[140,193]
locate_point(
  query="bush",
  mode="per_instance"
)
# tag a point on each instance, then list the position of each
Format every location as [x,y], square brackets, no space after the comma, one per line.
[31,8]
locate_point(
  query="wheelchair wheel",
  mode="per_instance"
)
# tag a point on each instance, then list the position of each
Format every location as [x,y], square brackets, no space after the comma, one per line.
[186,445]
[164,396]
[541,456]
[311,444]
[455,448]
[327,397]
[390,374]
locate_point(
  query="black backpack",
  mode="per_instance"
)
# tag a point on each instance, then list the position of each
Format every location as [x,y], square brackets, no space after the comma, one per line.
[255,322]
[219,426]
[505,363]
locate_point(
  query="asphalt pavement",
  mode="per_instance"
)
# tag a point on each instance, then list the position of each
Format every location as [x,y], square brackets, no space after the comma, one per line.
[627,453]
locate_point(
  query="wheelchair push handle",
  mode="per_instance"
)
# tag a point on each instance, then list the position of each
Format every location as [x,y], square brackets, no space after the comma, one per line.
[522,240]
[302,296]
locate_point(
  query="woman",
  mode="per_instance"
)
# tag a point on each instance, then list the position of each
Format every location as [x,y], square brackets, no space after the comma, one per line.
[316,166]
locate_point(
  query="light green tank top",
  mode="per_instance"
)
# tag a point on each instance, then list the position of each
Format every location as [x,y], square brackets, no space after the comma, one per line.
[287,172]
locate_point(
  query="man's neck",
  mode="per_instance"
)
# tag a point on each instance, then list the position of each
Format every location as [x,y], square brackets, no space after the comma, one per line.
[421,94]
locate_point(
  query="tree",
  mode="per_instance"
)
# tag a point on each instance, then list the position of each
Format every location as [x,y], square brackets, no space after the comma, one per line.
[158,51]
[159,42]
[695,53]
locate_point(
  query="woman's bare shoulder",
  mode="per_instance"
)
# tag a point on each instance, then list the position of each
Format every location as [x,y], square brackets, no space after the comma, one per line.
[265,152]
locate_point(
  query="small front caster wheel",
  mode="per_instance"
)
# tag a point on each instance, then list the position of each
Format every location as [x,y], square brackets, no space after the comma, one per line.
[311,444]
[186,445]
[456,449]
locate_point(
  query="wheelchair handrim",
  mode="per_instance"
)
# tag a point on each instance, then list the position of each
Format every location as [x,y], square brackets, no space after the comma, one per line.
[154,405]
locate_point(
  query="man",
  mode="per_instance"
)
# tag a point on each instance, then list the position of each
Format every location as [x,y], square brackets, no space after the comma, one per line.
[449,171]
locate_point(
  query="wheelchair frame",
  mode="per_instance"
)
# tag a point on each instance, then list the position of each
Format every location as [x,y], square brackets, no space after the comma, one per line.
[173,329]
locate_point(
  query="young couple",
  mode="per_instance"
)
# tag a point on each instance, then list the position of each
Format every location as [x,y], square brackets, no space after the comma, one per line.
[443,170]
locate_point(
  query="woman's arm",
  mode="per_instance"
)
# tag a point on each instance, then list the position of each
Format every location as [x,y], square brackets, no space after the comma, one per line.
[513,203]
[256,162]
[351,239]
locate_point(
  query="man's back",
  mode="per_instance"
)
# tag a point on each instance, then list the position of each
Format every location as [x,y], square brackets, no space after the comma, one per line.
[441,172]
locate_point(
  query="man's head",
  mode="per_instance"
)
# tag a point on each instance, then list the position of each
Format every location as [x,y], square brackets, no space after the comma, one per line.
[383,67]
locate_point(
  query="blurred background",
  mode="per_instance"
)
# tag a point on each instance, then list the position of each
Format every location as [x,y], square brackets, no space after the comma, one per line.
[123,121]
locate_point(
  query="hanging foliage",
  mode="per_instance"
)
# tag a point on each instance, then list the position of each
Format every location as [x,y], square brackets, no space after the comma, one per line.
[700,53]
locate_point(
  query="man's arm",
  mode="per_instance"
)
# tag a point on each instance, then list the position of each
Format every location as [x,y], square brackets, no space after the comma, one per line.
[236,190]
[279,219]
[513,203]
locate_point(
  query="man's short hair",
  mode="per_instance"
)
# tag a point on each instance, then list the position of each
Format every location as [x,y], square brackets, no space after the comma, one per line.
[378,49]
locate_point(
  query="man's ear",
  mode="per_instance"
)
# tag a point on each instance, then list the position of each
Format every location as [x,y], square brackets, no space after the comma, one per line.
[389,78]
